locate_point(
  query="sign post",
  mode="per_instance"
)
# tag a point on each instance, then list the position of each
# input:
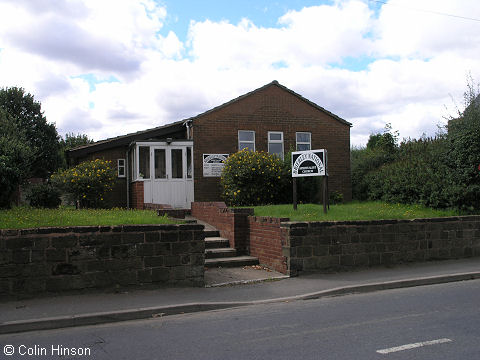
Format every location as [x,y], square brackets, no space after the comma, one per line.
[294,181]
[310,163]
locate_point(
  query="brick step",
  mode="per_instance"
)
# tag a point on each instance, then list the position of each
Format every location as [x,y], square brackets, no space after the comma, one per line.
[231,261]
[211,233]
[216,242]
[220,253]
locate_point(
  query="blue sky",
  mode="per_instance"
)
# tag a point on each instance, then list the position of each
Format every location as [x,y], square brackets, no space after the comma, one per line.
[263,13]
[110,67]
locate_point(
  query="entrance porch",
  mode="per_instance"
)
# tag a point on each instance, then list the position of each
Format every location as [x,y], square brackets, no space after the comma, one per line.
[161,174]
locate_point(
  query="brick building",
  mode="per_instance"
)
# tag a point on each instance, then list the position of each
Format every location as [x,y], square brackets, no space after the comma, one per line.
[178,163]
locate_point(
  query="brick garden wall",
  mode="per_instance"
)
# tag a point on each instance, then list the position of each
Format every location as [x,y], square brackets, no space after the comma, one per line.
[296,247]
[231,223]
[137,195]
[74,258]
[267,241]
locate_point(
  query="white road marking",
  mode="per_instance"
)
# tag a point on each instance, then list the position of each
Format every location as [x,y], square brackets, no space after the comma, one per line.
[413,346]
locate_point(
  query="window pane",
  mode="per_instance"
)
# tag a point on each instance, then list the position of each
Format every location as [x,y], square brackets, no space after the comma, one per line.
[121,167]
[303,147]
[276,136]
[177,165]
[189,163]
[249,146]
[144,162]
[303,137]
[275,148]
[160,164]
[246,136]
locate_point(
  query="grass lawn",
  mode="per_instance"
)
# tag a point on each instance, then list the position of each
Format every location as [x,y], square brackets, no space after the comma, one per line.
[25,217]
[351,211]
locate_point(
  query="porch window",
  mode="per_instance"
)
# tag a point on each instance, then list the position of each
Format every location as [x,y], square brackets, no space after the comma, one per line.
[160,164]
[304,141]
[189,163]
[246,139]
[144,162]
[177,164]
[275,143]
[121,168]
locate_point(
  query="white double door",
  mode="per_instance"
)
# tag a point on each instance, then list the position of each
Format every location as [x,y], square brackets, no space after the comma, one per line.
[171,176]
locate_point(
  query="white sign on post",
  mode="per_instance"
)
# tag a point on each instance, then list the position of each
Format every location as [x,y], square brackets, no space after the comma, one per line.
[309,163]
[213,164]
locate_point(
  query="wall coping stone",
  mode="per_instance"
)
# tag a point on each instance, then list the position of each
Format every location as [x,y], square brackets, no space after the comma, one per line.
[219,204]
[297,224]
[102,228]
[191,227]
[294,224]
[268,219]
[247,211]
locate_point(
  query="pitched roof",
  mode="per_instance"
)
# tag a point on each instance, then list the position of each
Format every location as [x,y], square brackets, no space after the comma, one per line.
[273,83]
[178,125]
[125,140]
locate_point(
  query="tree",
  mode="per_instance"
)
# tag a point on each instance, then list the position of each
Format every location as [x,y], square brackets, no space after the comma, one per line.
[387,142]
[40,136]
[15,157]
[381,149]
[72,141]
[463,142]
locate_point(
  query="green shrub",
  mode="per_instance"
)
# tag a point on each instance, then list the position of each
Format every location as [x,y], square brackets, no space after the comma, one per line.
[44,196]
[255,178]
[15,158]
[463,147]
[335,197]
[87,182]
[381,149]
[418,175]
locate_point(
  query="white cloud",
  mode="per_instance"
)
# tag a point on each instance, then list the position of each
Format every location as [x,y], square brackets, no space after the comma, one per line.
[418,60]
[315,35]
[409,28]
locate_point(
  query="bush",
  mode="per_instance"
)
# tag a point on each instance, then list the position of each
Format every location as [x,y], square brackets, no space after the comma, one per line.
[15,158]
[44,196]
[255,178]
[418,175]
[335,198]
[440,172]
[381,149]
[463,147]
[88,182]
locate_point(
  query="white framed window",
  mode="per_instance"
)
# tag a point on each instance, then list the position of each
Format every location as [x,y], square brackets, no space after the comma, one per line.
[121,172]
[143,156]
[246,139]
[304,141]
[275,143]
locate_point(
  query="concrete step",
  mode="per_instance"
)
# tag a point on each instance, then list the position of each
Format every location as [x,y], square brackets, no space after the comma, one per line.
[231,261]
[220,253]
[211,233]
[216,242]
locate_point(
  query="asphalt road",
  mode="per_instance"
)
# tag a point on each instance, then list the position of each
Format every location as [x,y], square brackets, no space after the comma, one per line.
[430,322]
